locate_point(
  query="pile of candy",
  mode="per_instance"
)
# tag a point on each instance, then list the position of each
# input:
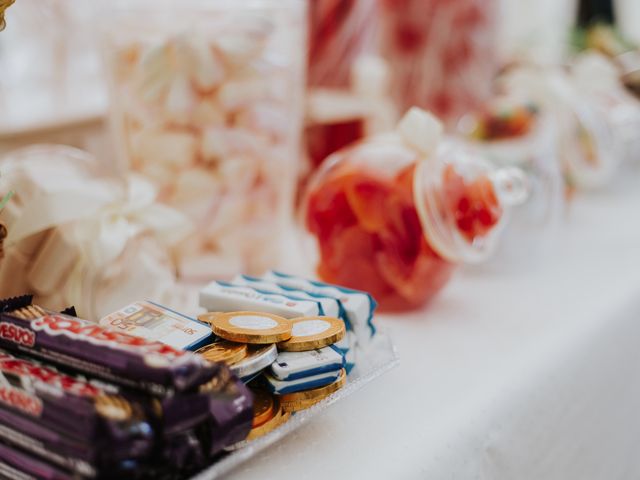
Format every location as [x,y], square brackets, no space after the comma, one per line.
[511,132]
[91,402]
[501,121]
[210,109]
[294,297]
[393,214]
[339,32]
[128,397]
[301,370]
[442,54]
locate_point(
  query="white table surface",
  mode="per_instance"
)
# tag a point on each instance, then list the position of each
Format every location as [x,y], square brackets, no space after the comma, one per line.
[529,375]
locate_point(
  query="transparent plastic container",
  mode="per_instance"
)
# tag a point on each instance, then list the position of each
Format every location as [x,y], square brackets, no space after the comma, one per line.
[442,54]
[524,138]
[394,214]
[207,101]
[378,358]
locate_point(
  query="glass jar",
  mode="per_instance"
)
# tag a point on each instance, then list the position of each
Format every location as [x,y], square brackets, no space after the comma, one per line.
[510,133]
[207,101]
[348,94]
[340,31]
[394,214]
[442,54]
[598,78]
[337,117]
[588,150]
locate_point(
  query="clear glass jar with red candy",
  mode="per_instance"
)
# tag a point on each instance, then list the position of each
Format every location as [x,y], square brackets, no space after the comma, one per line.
[395,213]
[508,131]
[442,53]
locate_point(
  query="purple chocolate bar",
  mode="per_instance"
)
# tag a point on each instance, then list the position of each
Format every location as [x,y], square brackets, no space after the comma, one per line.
[226,407]
[87,347]
[68,420]
[17,465]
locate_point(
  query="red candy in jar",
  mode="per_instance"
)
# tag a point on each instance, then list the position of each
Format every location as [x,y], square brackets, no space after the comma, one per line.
[442,53]
[395,213]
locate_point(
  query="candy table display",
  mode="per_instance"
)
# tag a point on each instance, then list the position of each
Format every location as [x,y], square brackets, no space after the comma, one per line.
[442,53]
[207,101]
[508,132]
[395,213]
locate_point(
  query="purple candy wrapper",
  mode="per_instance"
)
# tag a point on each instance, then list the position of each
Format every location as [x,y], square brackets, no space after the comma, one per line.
[87,347]
[17,465]
[68,420]
[195,409]
[225,407]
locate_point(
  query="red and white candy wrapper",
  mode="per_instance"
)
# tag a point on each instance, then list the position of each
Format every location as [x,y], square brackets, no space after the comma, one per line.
[79,237]
[207,103]
[442,53]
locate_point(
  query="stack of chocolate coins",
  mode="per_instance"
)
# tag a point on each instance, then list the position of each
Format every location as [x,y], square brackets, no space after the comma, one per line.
[291,363]
[293,297]
[309,367]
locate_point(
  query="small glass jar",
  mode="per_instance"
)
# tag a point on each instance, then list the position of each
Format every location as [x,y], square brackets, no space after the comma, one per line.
[510,133]
[394,214]
[588,150]
[207,101]
[599,79]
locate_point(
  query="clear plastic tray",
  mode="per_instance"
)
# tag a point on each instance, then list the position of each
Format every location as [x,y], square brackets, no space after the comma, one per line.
[379,357]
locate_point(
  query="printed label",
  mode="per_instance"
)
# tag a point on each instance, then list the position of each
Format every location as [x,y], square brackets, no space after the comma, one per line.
[310,327]
[16,334]
[21,400]
[95,334]
[253,322]
[39,373]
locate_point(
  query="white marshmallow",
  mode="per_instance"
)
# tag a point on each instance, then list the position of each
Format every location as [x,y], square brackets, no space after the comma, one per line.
[167,147]
[180,102]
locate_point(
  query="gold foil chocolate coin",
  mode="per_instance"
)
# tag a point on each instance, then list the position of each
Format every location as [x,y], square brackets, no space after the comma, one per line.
[208,317]
[223,351]
[251,327]
[309,333]
[316,394]
[279,418]
[263,407]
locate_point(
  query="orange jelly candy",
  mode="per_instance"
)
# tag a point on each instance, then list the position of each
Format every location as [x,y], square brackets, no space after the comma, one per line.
[373,241]
[370,236]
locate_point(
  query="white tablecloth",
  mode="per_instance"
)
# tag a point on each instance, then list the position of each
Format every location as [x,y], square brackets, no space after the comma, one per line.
[530,375]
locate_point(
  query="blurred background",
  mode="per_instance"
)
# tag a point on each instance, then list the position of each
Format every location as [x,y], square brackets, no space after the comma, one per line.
[228,111]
